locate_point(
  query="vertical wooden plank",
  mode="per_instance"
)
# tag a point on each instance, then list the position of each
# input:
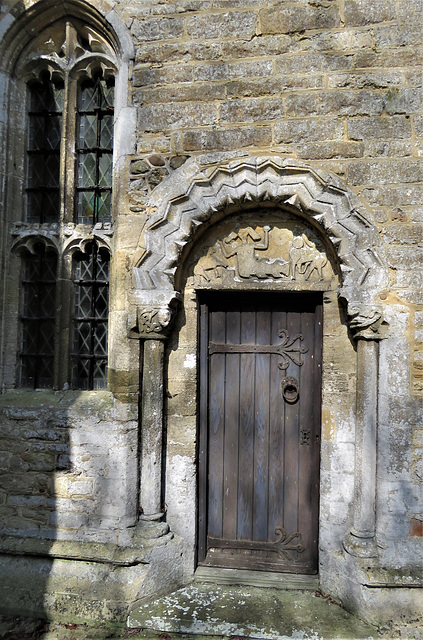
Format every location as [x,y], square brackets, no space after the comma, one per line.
[276,426]
[291,478]
[216,426]
[261,439]
[306,436]
[232,406]
[246,428]
[203,434]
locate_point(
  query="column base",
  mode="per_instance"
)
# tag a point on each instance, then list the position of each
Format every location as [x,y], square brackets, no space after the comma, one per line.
[360,545]
[152,517]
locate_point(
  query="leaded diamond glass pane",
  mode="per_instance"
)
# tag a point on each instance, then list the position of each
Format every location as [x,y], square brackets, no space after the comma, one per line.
[36,132]
[88,98]
[51,205]
[85,206]
[100,339]
[108,94]
[103,263]
[53,132]
[102,301]
[34,206]
[104,206]
[87,170]
[88,131]
[52,169]
[106,132]
[100,375]
[105,170]
[58,97]
[35,172]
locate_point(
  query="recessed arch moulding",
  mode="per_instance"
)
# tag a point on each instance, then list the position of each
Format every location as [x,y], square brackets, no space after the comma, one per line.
[199,195]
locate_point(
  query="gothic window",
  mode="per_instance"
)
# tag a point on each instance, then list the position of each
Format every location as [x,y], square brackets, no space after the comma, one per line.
[67,73]
[91,280]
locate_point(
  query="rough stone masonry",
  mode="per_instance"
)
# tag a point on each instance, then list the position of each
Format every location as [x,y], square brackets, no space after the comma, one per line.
[259,146]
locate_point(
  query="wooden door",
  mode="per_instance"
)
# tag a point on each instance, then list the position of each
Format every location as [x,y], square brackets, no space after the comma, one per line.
[259,447]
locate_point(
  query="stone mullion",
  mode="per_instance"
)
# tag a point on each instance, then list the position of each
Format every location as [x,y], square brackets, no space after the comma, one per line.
[64,314]
[67,154]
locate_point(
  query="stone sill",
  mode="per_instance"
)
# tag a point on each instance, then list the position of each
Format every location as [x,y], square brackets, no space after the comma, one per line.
[145,539]
[34,398]
[378,577]
[86,402]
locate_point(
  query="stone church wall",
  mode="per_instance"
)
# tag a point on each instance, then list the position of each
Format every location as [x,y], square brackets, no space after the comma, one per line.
[333,85]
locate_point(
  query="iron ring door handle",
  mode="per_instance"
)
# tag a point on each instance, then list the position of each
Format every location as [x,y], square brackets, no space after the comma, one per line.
[290,389]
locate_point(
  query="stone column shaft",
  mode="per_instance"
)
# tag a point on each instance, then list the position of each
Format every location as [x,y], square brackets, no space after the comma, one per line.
[361,539]
[152,430]
[365,440]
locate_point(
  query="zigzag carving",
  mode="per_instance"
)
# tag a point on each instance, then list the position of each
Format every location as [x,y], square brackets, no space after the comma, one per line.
[314,194]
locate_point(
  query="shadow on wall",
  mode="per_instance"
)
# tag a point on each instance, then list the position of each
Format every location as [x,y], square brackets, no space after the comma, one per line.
[56,483]
[35,448]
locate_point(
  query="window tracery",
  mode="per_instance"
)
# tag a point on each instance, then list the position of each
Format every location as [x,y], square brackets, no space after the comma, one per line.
[66,74]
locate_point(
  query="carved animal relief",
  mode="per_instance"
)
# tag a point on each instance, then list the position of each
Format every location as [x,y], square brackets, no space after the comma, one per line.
[267,252]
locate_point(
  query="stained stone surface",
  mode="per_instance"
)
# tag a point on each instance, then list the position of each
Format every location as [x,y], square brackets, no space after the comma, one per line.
[251,612]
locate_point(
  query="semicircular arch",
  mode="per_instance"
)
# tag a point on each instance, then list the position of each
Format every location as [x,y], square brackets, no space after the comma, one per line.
[208,193]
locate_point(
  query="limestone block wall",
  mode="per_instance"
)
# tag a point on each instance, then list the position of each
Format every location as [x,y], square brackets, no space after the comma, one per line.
[336,84]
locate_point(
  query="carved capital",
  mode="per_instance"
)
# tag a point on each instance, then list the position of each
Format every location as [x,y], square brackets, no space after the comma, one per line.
[366,322]
[151,322]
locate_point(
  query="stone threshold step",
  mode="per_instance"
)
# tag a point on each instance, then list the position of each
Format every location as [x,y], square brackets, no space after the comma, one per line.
[265,579]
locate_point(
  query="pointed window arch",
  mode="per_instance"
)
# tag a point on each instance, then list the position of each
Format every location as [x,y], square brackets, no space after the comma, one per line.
[62,66]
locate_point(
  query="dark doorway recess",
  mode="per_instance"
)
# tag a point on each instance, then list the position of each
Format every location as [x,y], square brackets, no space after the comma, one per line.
[259,446]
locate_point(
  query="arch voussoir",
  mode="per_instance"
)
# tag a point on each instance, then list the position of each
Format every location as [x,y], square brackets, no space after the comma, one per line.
[182,206]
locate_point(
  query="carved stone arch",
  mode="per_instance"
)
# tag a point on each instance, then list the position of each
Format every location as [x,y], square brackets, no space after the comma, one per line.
[26,26]
[28,242]
[74,244]
[201,195]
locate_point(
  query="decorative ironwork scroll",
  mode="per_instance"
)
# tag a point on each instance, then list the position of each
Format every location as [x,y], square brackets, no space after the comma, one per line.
[285,350]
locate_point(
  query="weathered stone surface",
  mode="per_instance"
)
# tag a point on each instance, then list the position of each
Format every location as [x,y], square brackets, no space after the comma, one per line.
[403,101]
[273,85]
[365,80]
[159,52]
[313,62]
[308,129]
[163,117]
[358,12]
[291,19]
[253,110]
[379,127]
[226,139]
[386,172]
[341,103]
[228,71]
[158,28]
[199,92]
[317,150]
[146,75]
[234,24]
